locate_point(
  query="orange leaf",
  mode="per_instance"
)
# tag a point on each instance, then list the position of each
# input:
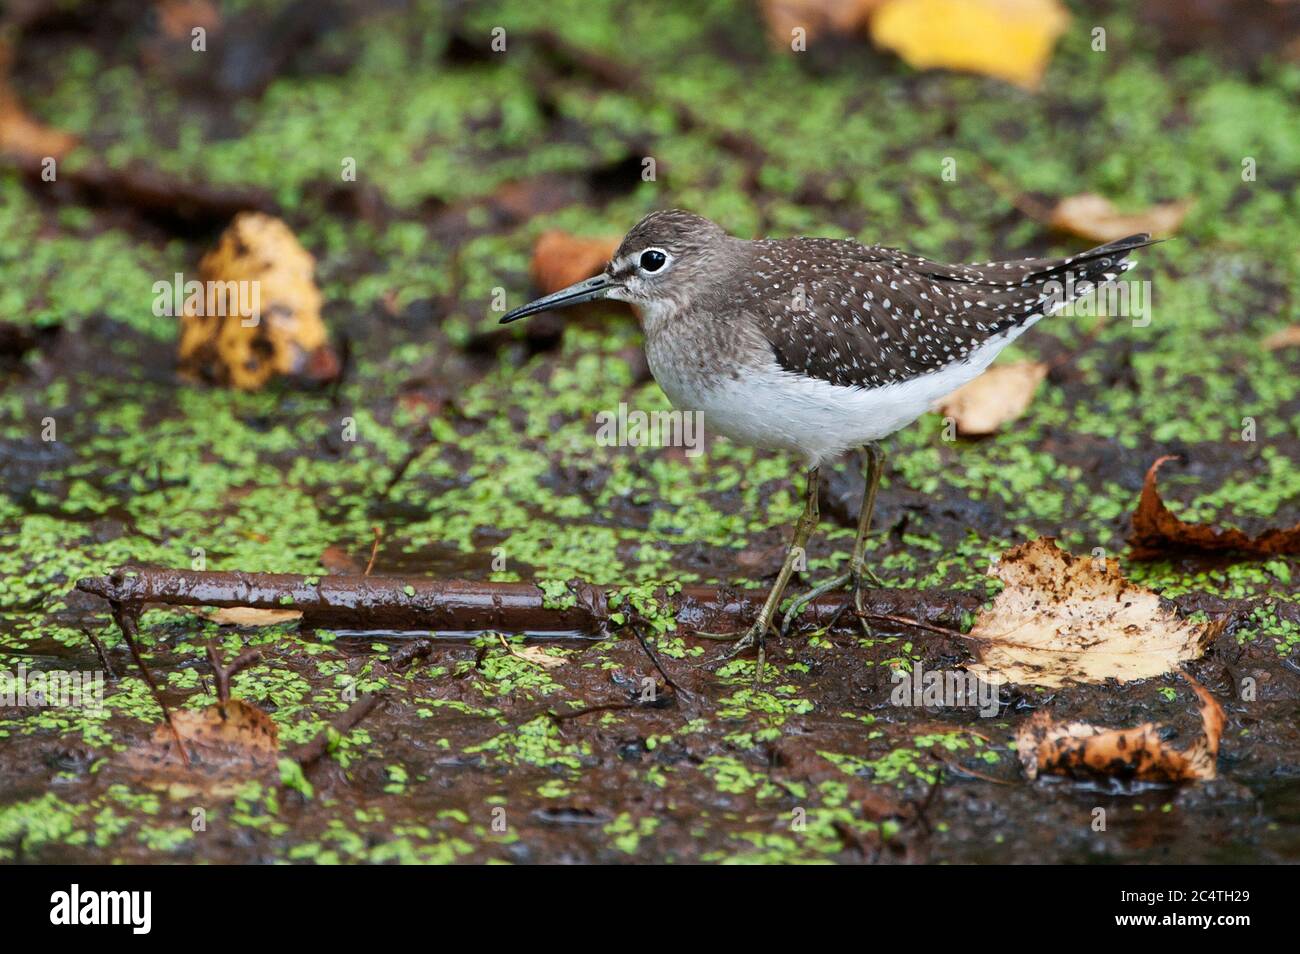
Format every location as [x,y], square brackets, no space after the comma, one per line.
[1082,750]
[561,259]
[1157,532]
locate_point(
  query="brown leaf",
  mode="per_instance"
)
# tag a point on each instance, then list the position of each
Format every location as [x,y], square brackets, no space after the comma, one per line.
[178,18]
[1009,39]
[1092,216]
[339,562]
[1000,394]
[561,259]
[816,18]
[1286,338]
[1082,750]
[1157,532]
[225,339]
[1063,619]
[225,745]
[26,139]
[249,616]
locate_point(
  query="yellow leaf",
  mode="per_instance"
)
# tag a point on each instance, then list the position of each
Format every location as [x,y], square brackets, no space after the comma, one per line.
[1009,39]
[537,655]
[249,616]
[1063,619]
[256,313]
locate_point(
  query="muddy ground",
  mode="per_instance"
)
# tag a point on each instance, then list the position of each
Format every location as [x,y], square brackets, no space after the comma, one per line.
[465,156]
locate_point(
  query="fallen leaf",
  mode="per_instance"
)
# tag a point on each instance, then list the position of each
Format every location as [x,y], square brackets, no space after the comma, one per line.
[249,616]
[1094,217]
[23,138]
[561,259]
[1000,394]
[1157,532]
[1063,619]
[225,744]
[1009,39]
[1286,338]
[178,18]
[815,17]
[257,312]
[339,562]
[1082,750]
[535,654]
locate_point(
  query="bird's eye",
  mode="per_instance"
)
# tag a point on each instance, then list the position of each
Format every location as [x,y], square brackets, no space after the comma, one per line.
[652,260]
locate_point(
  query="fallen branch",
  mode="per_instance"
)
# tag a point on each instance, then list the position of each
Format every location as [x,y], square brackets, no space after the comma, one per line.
[423,605]
[420,604]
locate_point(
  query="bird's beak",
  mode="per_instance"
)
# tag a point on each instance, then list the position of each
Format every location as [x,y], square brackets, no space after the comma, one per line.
[590,289]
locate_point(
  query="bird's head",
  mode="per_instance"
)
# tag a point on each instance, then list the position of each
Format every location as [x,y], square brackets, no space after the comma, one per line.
[665,260]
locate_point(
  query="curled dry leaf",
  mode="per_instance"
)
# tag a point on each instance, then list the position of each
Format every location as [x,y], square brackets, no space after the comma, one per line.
[249,616]
[815,17]
[1009,39]
[1157,532]
[1085,751]
[1092,216]
[256,312]
[225,744]
[561,259]
[1063,619]
[1000,394]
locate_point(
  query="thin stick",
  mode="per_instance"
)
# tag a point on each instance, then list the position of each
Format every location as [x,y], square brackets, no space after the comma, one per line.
[310,752]
[103,655]
[636,631]
[126,623]
[223,673]
[374,549]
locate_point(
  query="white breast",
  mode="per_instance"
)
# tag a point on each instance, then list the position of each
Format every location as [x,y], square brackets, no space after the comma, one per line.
[770,407]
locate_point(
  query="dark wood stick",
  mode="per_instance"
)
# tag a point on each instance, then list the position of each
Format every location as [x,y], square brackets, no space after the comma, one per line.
[419,604]
[310,752]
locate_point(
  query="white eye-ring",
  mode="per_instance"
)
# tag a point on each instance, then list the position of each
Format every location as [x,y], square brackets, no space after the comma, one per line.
[652,259]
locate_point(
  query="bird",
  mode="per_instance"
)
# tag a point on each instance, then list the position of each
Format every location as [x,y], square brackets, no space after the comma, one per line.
[819,346]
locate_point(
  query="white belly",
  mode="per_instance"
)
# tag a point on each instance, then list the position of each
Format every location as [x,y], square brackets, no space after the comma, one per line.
[774,408]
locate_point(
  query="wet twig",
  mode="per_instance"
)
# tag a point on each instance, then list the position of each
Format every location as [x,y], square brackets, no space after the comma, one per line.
[223,673]
[311,752]
[101,652]
[420,604]
[126,617]
[374,549]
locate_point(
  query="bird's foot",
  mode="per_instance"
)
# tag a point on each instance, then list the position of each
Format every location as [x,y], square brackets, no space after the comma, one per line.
[756,635]
[852,578]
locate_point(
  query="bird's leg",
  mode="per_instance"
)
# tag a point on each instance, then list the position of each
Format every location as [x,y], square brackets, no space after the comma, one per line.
[858,562]
[757,633]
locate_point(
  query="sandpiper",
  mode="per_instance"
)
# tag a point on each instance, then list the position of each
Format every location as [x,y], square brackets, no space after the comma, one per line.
[818,346]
